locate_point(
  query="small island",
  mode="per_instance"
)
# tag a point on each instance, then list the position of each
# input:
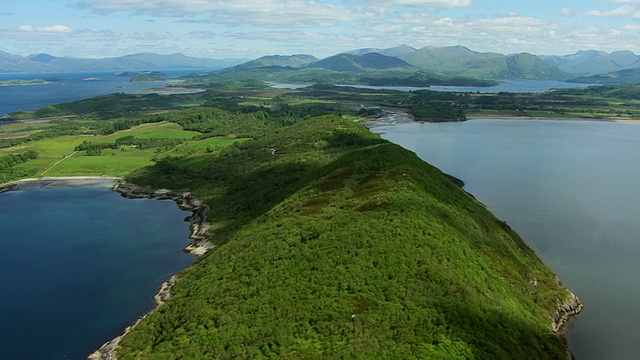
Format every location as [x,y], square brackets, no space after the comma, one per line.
[20,82]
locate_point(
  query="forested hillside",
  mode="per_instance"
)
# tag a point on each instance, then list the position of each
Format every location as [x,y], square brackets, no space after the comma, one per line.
[333,243]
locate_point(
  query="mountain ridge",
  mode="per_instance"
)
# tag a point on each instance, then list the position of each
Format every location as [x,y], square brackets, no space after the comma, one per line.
[450,61]
[594,62]
[44,63]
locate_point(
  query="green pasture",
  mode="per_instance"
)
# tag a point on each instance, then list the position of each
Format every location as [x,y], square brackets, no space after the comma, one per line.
[57,156]
[110,163]
[152,130]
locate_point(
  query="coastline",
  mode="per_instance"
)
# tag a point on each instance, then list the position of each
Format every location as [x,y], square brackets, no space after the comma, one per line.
[507,117]
[185,201]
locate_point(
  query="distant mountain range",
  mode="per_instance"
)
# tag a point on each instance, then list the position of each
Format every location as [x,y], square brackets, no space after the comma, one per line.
[456,61]
[451,61]
[144,61]
[593,62]
[460,61]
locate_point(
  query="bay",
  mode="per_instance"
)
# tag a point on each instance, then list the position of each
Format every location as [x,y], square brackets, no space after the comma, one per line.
[570,189]
[79,264]
[68,87]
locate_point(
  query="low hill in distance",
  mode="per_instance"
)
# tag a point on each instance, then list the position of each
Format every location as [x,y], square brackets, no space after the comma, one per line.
[275,61]
[622,77]
[361,63]
[143,61]
[43,63]
[593,62]
[396,51]
[14,63]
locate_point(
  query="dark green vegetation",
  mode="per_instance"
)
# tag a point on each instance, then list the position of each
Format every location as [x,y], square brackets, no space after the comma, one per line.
[148,76]
[8,171]
[334,243]
[600,102]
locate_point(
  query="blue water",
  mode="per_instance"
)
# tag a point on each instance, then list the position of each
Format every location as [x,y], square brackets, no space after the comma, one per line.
[570,189]
[520,86]
[71,87]
[79,264]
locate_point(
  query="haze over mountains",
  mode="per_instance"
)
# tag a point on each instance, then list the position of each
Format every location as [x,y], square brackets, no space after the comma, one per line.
[145,61]
[452,61]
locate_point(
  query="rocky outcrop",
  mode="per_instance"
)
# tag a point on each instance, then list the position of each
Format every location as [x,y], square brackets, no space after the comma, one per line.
[565,311]
[199,227]
[7,187]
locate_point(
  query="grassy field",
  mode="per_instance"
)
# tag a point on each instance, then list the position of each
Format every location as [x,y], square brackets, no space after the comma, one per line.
[58,156]
[152,130]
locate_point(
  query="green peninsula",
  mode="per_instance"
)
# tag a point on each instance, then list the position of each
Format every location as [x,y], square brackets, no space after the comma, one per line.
[328,241]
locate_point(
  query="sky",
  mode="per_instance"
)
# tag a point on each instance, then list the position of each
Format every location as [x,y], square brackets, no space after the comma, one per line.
[254,28]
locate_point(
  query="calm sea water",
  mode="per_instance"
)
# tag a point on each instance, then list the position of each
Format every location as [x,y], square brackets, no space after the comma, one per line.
[570,189]
[70,87]
[79,264]
[523,86]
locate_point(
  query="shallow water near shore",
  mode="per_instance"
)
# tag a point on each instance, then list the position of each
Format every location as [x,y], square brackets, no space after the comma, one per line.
[79,264]
[570,189]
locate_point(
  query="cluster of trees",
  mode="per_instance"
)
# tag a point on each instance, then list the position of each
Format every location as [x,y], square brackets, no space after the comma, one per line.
[95,149]
[8,162]
[105,107]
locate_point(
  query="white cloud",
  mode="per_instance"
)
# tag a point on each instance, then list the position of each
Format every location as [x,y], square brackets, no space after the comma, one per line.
[46,30]
[425,3]
[23,32]
[276,12]
[566,11]
[622,11]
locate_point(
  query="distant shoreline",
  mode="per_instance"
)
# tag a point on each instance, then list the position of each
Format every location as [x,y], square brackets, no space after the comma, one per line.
[65,181]
[508,117]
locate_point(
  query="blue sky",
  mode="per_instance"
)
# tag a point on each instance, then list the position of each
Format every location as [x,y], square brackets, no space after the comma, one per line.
[253,28]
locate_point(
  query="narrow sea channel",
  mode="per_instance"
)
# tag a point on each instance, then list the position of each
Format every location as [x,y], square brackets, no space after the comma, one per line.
[570,189]
[79,264]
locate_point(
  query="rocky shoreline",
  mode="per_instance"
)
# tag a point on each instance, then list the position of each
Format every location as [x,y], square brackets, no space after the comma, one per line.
[199,235]
[564,313]
[199,227]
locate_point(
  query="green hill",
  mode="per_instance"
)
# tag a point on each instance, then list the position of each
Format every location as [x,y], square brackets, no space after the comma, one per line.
[622,77]
[274,61]
[333,243]
[460,61]
[361,63]
[394,51]
[593,62]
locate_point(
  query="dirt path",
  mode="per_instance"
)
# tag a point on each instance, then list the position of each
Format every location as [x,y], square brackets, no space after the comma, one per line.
[58,162]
